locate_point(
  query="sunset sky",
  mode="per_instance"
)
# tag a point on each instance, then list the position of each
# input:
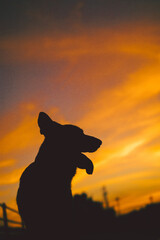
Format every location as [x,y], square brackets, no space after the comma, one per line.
[92,63]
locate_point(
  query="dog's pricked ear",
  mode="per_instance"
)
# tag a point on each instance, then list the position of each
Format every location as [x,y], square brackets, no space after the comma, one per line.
[84,162]
[44,123]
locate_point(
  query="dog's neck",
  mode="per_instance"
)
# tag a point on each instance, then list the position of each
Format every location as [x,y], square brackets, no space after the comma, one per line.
[61,163]
[47,153]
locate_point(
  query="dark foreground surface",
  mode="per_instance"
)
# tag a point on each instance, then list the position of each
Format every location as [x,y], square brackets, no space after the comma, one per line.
[124,236]
[93,222]
[120,236]
[21,235]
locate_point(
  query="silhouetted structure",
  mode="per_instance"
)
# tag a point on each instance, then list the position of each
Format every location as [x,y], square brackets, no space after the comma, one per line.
[91,215]
[105,197]
[117,199]
[5,229]
[44,196]
[5,219]
[141,224]
[151,199]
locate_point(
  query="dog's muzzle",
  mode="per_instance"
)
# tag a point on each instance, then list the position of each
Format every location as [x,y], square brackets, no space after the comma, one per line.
[91,144]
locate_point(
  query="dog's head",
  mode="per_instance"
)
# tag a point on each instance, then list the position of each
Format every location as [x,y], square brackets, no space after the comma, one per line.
[69,139]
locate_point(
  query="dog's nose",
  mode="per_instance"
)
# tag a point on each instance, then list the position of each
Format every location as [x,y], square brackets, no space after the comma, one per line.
[100,142]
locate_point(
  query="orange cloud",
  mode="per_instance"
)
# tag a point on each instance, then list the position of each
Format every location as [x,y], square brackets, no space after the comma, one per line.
[7,163]
[11,177]
[21,138]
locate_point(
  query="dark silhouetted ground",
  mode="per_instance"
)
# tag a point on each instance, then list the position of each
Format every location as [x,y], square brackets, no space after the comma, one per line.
[93,222]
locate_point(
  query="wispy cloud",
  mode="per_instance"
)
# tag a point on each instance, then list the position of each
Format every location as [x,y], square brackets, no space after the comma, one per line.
[140,41]
[11,177]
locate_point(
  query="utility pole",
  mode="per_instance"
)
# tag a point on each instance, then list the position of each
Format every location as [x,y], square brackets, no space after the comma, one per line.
[151,199]
[105,198]
[117,199]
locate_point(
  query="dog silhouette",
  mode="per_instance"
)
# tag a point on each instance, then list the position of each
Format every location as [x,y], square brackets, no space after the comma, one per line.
[44,196]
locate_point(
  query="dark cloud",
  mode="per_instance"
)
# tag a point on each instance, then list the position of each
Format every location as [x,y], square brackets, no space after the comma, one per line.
[21,16]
